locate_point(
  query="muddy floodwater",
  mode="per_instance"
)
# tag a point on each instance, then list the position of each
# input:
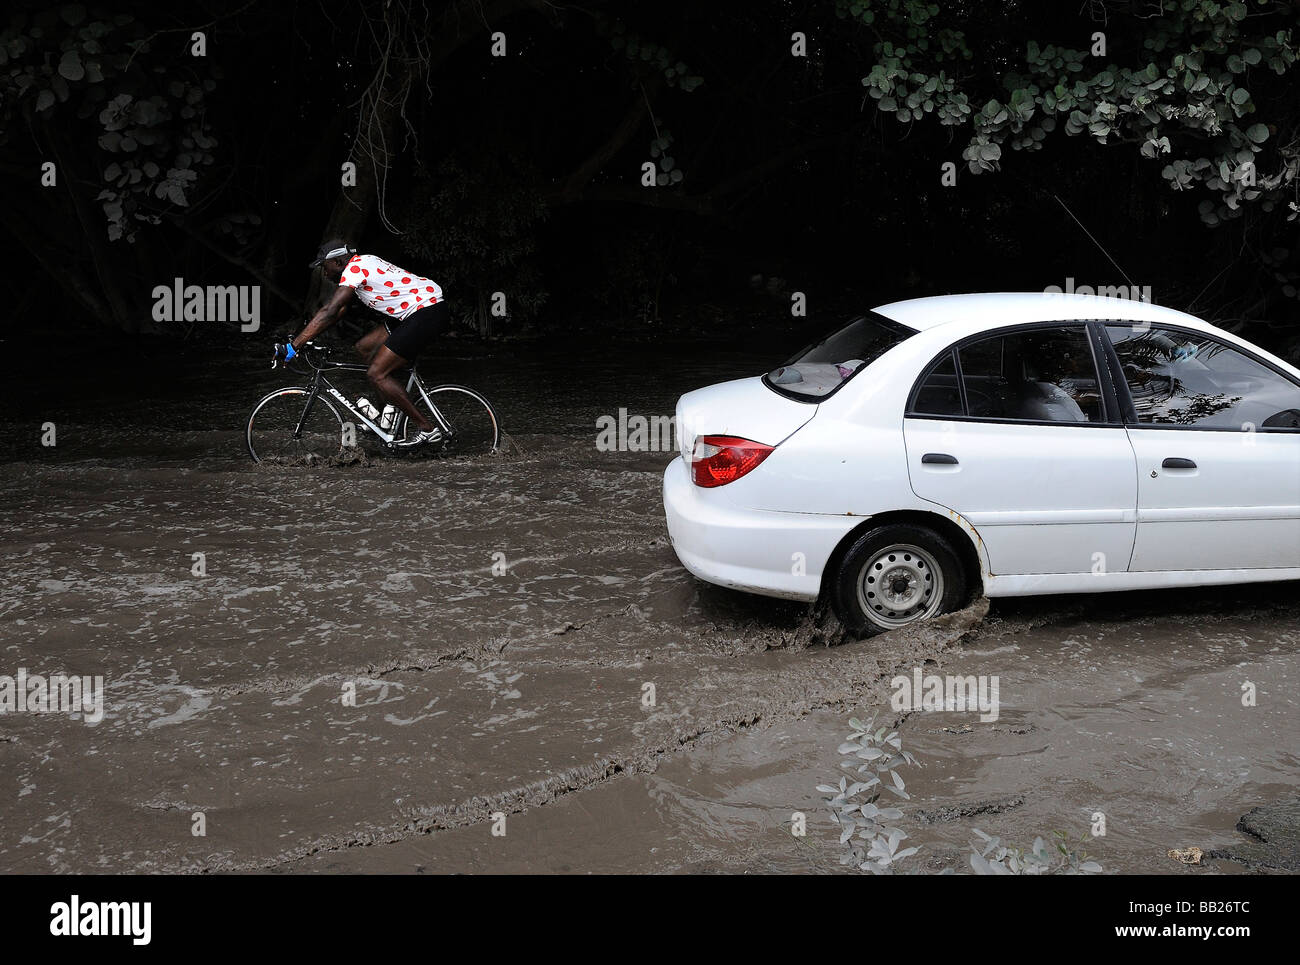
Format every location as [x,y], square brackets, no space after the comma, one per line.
[502,623]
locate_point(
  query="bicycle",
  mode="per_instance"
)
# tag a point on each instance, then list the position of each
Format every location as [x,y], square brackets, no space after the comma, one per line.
[302,423]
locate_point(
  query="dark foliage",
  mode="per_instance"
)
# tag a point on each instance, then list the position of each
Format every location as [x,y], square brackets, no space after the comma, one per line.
[522,174]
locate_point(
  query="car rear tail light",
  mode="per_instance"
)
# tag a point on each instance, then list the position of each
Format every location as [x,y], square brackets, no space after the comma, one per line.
[718,460]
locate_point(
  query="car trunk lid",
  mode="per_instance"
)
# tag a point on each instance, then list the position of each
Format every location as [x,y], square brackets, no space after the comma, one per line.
[745,408]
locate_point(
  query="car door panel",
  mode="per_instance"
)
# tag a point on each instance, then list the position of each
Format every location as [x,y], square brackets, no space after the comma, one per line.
[1238,509]
[1043,498]
[1033,464]
[1218,462]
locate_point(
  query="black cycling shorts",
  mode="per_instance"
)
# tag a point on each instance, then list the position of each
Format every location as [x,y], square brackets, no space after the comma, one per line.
[411,335]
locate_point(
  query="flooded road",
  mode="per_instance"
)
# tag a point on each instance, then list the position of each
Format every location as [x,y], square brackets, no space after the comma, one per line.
[380,658]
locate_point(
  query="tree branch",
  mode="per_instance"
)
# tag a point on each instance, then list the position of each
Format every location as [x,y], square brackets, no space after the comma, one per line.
[623,133]
[266,281]
[709,202]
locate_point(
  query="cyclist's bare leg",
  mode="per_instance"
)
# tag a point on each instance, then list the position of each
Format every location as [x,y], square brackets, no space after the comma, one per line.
[380,375]
[369,343]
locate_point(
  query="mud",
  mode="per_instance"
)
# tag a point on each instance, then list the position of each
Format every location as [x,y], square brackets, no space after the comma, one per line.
[1270,838]
[499,620]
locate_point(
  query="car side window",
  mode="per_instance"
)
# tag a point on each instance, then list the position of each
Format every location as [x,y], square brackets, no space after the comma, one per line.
[1039,375]
[939,393]
[1188,379]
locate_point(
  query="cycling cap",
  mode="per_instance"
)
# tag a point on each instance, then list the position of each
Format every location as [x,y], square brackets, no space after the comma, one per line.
[331,249]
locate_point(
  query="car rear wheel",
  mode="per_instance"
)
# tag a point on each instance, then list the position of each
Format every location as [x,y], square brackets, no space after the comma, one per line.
[896,575]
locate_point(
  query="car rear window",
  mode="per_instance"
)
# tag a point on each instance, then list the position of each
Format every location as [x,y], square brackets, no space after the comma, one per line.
[818,371]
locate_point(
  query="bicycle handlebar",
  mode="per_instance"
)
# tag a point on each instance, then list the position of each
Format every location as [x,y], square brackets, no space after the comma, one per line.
[309,349]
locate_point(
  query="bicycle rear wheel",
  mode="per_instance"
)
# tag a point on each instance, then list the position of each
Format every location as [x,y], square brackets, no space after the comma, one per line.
[272,435]
[469,423]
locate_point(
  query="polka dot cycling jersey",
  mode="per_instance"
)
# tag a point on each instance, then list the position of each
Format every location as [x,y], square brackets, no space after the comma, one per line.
[388,289]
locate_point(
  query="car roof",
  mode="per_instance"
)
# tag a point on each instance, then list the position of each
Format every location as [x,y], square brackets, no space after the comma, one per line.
[996,309]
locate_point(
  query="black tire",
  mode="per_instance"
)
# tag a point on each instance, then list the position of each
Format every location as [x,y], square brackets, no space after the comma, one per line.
[935,579]
[269,432]
[474,427]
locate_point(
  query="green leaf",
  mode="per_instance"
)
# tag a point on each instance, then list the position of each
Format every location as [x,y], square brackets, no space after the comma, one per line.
[70,66]
[1258,133]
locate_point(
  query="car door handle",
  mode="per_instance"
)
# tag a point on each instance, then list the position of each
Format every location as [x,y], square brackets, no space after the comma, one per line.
[938,459]
[1177,463]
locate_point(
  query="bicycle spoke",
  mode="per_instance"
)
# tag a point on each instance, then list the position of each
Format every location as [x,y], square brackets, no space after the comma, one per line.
[470,424]
[271,429]
[467,420]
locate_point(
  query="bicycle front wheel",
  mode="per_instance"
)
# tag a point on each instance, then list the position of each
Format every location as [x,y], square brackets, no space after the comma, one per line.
[282,430]
[469,423]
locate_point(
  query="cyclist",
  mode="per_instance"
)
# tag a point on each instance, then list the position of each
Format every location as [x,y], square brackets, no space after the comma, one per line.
[415,304]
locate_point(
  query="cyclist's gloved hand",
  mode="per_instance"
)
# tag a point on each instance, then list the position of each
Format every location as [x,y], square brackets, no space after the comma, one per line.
[284,352]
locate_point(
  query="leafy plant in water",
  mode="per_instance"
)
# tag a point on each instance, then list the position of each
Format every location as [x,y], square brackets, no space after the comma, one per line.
[872,838]
[990,856]
[866,828]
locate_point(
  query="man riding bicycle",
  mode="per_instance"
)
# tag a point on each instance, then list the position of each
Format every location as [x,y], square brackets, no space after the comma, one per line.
[415,304]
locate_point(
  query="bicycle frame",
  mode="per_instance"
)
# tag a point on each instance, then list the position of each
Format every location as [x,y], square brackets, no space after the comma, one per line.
[319,382]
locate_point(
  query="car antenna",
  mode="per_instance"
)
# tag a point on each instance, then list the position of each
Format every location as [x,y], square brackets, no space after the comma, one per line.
[1131,284]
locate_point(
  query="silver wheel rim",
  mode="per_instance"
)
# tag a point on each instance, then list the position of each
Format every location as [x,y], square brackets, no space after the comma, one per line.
[899,585]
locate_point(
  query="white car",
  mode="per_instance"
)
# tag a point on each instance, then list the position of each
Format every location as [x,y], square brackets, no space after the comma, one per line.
[1017,444]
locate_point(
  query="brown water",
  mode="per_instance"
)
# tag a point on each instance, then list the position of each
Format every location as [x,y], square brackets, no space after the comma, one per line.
[522,693]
